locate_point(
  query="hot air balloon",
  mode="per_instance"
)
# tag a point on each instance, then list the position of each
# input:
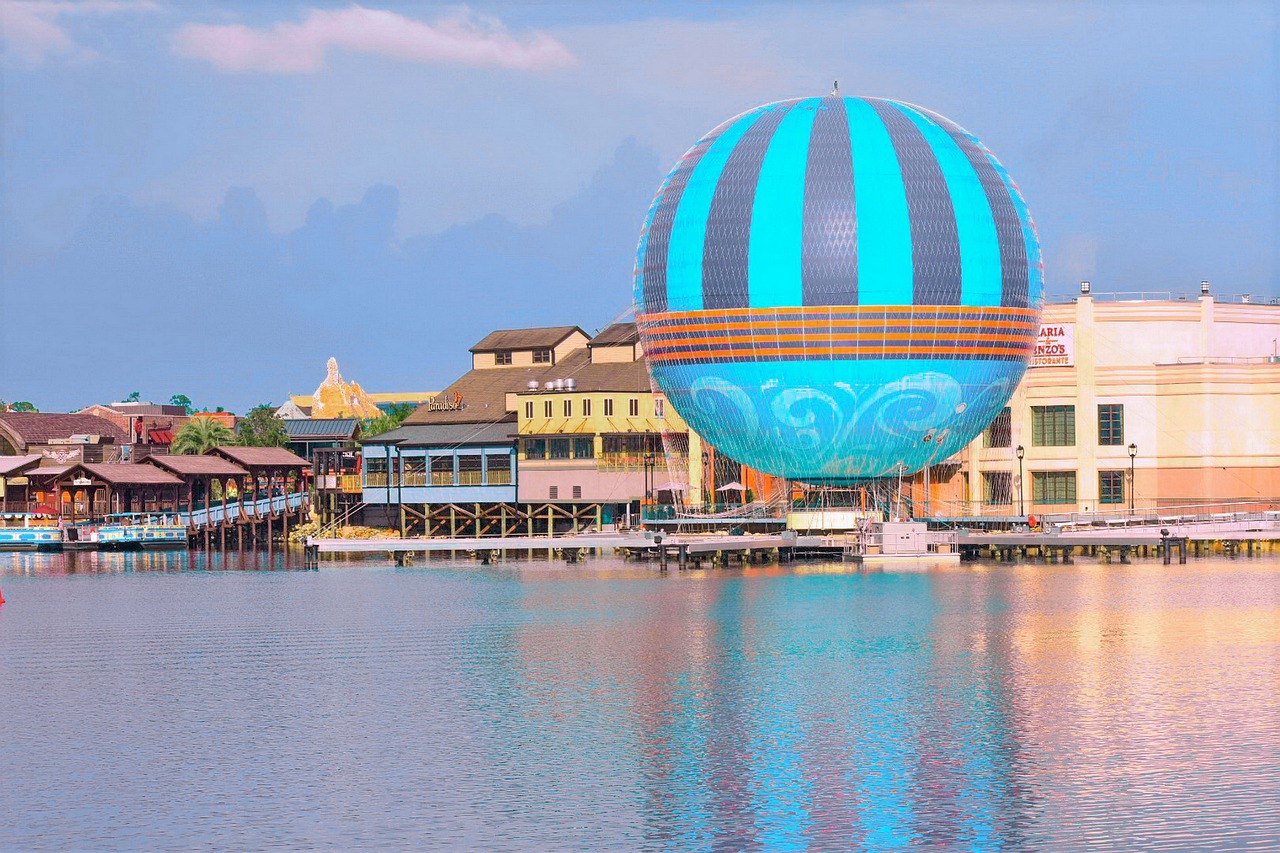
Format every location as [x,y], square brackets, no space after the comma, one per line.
[835,289]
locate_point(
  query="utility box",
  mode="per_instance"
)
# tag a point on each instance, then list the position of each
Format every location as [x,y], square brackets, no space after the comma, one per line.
[902,537]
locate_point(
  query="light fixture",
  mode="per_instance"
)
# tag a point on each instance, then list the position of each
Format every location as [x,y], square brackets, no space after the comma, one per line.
[1085,287]
[1204,287]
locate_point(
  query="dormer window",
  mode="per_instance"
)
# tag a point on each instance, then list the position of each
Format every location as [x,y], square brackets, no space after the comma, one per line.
[502,357]
[541,356]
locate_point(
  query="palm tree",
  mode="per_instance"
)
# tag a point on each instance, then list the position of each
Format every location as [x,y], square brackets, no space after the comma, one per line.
[199,435]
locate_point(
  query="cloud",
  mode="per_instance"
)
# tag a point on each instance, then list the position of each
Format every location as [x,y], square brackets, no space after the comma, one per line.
[31,31]
[289,48]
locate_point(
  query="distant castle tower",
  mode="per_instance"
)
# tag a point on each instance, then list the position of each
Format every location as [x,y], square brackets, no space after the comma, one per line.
[336,398]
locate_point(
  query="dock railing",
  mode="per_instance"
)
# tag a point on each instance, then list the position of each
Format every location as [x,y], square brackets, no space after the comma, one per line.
[244,510]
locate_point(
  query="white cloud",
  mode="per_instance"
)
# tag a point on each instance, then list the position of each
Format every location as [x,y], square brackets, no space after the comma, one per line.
[32,32]
[297,48]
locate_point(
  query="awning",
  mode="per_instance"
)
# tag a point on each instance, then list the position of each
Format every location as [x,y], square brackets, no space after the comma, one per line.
[161,436]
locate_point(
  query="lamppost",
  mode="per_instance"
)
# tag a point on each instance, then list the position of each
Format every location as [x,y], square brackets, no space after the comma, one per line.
[1021,451]
[1133,453]
[648,478]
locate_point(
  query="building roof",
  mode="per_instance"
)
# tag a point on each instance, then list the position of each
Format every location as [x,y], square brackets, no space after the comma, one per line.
[484,391]
[40,427]
[275,457]
[448,435]
[318,429]
[591,376]
[215,466]
[12,464]
[542,338]
[619,334]
[128,473]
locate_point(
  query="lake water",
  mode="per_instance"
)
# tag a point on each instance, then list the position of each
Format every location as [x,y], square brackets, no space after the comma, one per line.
[173,702]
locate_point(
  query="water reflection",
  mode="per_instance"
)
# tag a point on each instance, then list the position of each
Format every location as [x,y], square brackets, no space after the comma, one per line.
[118,562]
[530,705]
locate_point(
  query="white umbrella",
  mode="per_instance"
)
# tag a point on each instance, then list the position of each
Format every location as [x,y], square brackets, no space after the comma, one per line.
[735,486]
[672,487]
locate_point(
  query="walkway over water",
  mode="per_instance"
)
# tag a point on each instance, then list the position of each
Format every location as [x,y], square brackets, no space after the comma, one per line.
[245,512]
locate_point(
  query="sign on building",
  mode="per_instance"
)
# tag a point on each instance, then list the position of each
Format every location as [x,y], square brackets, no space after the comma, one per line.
[1056,346]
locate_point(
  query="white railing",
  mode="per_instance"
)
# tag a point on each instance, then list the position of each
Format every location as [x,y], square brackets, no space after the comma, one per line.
[245,511]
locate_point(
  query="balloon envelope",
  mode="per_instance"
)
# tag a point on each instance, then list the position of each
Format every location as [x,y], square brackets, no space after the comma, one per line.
[833,289]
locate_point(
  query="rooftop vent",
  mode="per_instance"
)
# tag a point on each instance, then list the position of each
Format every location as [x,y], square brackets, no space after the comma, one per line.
[533,385]
[548,386]
[570,384]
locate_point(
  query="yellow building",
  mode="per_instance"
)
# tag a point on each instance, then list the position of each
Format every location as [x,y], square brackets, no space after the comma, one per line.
[1150,403]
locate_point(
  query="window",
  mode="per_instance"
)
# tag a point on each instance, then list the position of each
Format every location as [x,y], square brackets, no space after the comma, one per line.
[1111,424]
[499,465]
[528,410]
[534,448]
[558,448]
[553,493]
[415,470]
[1053,426]
[608,407]
[659,408]
[1053,487]
[586,408]
[542,356]
[1111,487]
[375,471]
[469,470]
[577,493]
[442,470]
[997,487]
[502,357]
[546,408]
[584,448]
[568,408]
[633,407]
[999,433]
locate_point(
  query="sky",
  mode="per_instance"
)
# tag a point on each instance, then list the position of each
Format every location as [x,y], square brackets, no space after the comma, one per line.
[212,198]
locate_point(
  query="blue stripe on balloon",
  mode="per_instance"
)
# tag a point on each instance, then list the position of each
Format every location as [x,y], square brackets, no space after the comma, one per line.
[885,274]
[829,249]
[1035,264]
[689,231]
[726,246]
[980,281]
[651,262]
[935,242]
[1013,247]
[777,214]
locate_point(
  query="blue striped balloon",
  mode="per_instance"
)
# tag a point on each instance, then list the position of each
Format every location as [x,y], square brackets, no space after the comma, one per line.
[835,289]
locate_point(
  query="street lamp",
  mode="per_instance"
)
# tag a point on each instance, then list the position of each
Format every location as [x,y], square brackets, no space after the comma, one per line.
[648,476]
[1133,452]
[1021,451]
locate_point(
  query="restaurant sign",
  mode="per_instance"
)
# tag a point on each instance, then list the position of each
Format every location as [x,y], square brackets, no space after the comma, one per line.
[1056,346]
[452,403]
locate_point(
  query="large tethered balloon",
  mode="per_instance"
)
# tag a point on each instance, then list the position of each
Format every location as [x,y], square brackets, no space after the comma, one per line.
[836,288]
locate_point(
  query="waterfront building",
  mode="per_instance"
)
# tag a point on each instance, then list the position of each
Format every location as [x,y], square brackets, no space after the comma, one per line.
[61,438]
[1132,401]
[149,426]
[15,481]
[307,435]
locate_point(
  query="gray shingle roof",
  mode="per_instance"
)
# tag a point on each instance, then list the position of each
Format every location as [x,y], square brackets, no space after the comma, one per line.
[40,427]
[543,338]
[321,428]
[619,334]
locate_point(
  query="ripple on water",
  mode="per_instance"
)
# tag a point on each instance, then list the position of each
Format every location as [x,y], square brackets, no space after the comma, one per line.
[151,706]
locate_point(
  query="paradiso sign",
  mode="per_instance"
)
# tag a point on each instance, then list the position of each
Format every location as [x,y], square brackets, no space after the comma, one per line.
[452,403]
[1056,346]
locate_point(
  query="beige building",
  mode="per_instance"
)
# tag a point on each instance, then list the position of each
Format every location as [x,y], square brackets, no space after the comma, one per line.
[1144,402]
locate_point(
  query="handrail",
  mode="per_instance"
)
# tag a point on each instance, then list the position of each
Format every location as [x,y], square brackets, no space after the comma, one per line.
[238,510]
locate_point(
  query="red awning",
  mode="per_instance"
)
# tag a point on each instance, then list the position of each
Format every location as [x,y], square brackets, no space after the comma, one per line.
[161,436]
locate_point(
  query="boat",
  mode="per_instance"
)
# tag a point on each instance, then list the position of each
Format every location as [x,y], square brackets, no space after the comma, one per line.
[29,531]
[148,531]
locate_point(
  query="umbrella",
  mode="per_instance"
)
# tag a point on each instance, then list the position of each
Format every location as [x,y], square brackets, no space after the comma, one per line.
[672,487]
[735,486]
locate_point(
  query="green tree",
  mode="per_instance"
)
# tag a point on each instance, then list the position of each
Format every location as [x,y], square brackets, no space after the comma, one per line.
[199,435]
[389,420]
[261,428]
[22,406]
[182,400]
[134,397]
